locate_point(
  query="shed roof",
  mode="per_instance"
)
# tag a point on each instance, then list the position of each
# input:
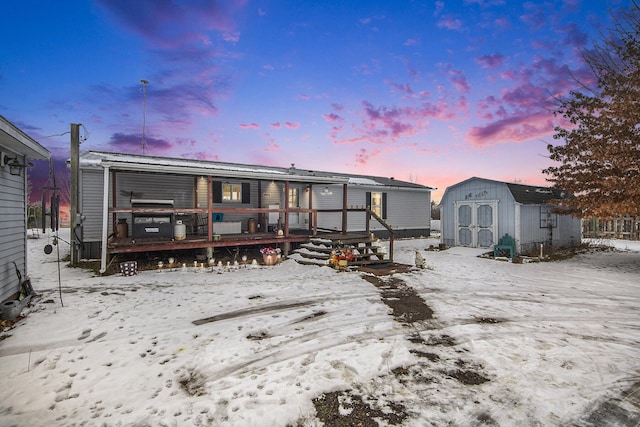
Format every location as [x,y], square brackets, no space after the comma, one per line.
[525,194]
[142,163]
[17,141]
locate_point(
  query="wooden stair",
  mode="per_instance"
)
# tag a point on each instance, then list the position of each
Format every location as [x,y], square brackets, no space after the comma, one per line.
[318,250]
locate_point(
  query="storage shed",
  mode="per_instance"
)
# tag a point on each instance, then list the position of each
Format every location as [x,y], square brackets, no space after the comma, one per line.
[478,212]
[16,149]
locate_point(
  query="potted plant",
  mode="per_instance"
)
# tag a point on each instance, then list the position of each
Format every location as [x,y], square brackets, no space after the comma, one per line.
[340,257]
[270,255]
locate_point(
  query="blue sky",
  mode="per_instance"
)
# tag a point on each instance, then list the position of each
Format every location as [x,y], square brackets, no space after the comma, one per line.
[427,91]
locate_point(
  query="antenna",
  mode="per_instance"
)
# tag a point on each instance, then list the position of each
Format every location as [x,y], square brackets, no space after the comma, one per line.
[143,143]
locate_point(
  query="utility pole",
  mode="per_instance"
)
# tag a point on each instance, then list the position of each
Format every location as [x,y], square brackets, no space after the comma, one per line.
[75,181]
[144,112]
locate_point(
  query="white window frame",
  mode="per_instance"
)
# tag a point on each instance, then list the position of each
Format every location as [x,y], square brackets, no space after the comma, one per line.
[232,192]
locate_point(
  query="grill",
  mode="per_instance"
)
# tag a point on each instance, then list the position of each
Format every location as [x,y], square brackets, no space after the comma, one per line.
[149,223]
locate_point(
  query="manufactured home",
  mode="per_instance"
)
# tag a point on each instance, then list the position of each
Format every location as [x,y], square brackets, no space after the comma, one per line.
[136,203]
[16,149]
[479,212]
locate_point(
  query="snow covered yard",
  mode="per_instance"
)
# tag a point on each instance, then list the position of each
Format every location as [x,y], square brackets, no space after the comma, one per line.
[552,343]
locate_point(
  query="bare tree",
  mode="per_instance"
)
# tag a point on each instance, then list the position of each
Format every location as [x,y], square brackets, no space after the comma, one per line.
[600,156]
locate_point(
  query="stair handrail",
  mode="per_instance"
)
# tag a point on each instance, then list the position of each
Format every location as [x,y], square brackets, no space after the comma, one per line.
[382,222]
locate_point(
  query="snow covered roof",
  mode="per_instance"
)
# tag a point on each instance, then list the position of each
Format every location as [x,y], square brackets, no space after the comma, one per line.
[16,140]
[136,162]
[525,194]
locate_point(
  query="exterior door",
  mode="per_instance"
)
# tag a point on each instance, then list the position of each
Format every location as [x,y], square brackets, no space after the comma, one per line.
[476,223]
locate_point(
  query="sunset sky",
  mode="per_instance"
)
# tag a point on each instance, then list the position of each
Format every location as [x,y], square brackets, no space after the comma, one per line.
[432,92]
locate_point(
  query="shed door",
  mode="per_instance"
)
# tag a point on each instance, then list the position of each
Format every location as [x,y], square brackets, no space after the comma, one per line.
[476,223]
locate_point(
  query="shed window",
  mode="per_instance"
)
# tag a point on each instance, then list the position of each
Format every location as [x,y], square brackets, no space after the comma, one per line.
[548,219]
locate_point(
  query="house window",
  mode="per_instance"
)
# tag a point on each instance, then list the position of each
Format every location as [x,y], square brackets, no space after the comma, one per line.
[376,203]
[231,192]
[294,201]
[548,219]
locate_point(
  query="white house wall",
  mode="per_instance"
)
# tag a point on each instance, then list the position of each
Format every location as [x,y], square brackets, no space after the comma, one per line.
[406,209]
[12,230]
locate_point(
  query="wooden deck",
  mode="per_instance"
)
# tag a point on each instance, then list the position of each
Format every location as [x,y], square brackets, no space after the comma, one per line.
[131,245]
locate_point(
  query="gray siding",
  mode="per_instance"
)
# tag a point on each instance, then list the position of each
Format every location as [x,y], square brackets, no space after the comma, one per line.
[406,209]
[566,233]
[90,204]
[12,231]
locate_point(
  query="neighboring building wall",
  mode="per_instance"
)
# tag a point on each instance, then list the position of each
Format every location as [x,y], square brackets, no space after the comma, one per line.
[12,230]
[627,227]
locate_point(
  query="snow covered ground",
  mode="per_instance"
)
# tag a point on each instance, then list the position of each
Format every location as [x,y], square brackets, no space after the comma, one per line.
[555,343]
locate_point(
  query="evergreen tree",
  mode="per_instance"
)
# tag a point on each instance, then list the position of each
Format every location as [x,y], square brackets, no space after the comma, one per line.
[600,157]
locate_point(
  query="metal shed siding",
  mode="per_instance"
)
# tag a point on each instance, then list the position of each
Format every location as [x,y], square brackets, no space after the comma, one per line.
[12,231]
[477,190]
[91,204]
[531,233]
[567,232]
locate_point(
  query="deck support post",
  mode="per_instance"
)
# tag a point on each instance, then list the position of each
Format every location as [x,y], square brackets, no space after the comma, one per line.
[344,208]
[105,220]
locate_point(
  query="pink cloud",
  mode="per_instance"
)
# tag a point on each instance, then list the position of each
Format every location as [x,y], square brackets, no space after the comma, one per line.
[449,23]
[332,118]
[276,125]
[516,128]
[133,143]
[272,147]
[291,125]
[249,126]
[170,23]
[459,81]
[363,155]
[490,61]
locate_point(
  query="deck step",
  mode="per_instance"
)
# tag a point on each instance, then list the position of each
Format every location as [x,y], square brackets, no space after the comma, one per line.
[318,251]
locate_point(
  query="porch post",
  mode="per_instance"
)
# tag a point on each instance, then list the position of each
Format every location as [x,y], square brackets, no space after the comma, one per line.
[260,214]
[344,208]
[286,208]
[105,219]
[209,208]
[311,220]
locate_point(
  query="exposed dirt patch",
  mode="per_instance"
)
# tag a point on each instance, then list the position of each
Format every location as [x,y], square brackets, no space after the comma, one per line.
[407,305]
[432,357]
[311,316]
[467,377]
[258,336]
[443,340]
[386,269]
[489,320]
[193,383]
[346,409]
